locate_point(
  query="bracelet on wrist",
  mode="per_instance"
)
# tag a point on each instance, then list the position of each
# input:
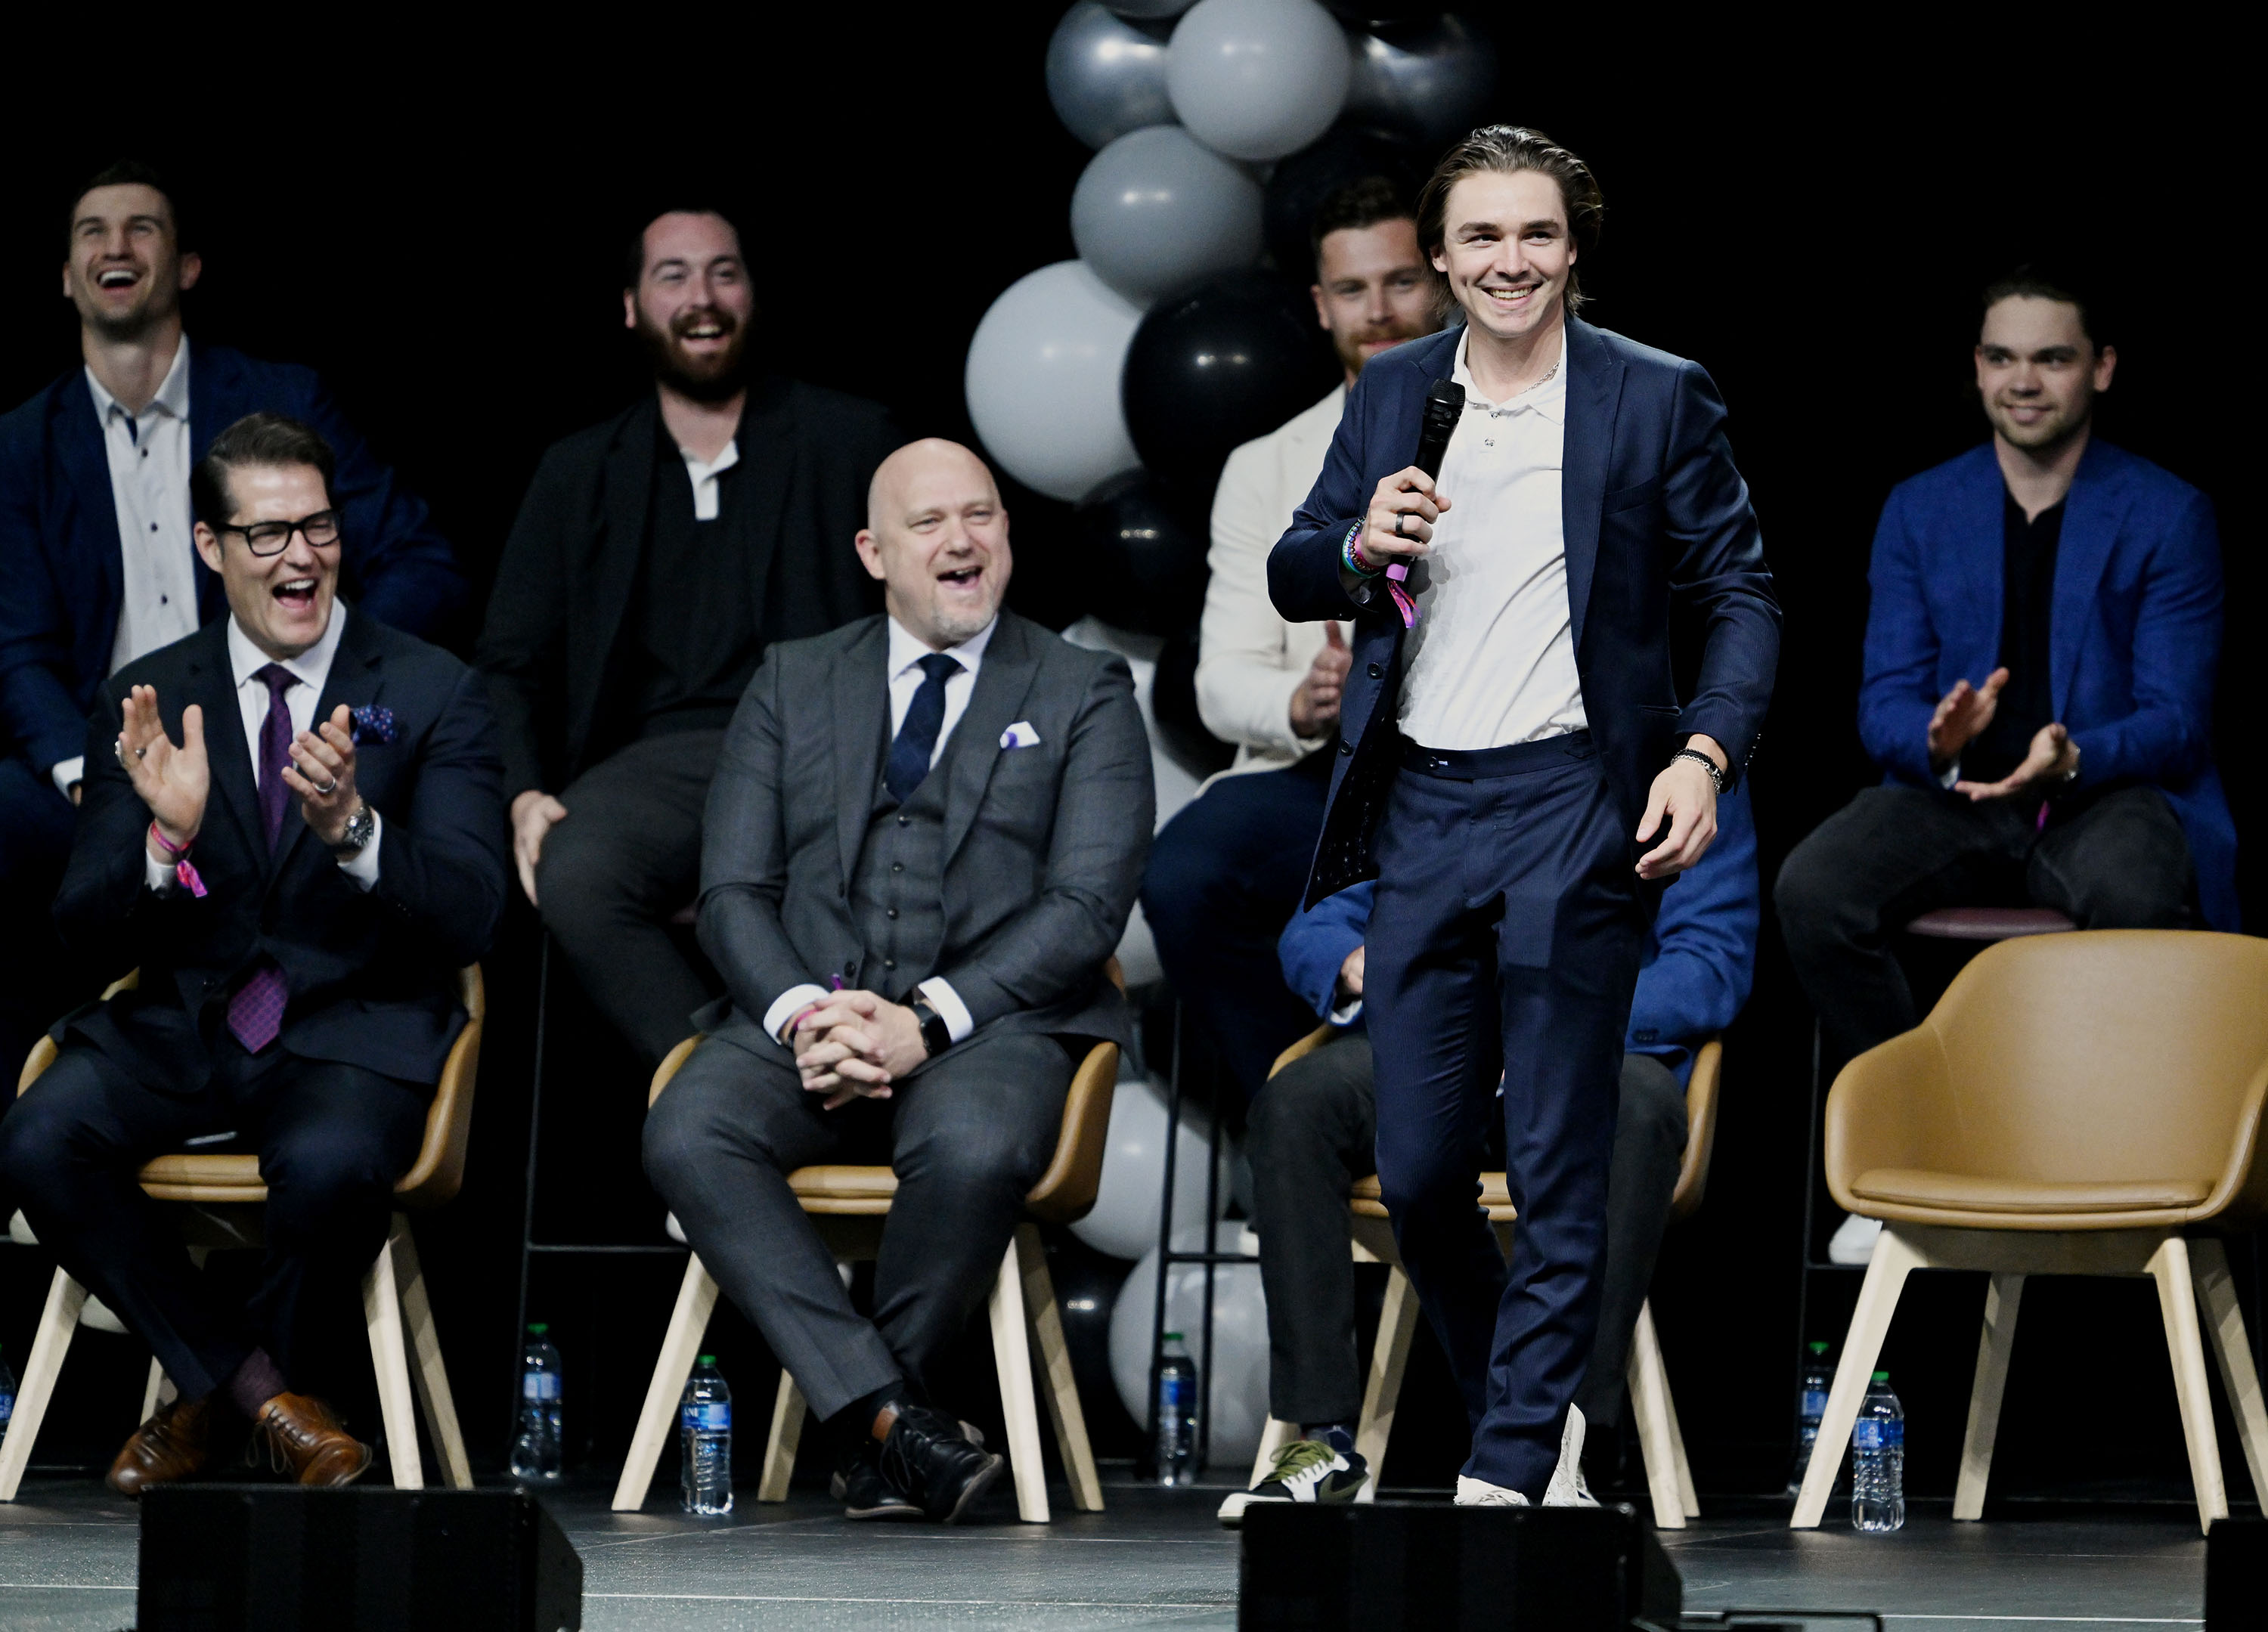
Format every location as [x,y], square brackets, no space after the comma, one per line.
[167,845]
[1719,779]
[1351,554]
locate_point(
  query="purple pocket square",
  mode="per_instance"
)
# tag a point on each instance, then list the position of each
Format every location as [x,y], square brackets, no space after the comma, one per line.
[373,724]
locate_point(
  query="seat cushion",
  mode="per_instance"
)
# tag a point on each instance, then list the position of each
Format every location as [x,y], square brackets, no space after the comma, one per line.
[1910,1186]
[1989,923]
[188,1177]
[832,1188]
[1365,1200]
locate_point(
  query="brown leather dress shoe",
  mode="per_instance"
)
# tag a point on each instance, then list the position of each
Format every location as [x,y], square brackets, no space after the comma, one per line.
[309,1443]
[175,1444]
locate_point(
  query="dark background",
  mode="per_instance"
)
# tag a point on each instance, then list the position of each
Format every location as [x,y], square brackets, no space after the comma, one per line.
[1809,218]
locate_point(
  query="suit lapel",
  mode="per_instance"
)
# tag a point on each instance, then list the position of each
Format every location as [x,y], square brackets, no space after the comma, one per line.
[768,458]
[235,781]
[860,720]
[1003,679]
[2091,515]
[1595,387]
[355,681]
[211,410]
[1977,556]
[86,467]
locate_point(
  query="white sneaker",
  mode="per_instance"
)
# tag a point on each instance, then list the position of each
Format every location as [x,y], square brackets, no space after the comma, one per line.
[1854,1242]
[1568,1487]
[1479,1493]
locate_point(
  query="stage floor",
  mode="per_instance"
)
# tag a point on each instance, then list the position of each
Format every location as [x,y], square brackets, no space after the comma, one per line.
[1157,1559]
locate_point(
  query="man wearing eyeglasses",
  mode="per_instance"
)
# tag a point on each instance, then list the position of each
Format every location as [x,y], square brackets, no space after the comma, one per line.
[97,567]
[293,826]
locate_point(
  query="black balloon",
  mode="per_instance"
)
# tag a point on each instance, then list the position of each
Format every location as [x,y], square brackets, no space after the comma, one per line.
[1302,182]
[1173,705]
[1359,13]
[1216,365]
[1146,556]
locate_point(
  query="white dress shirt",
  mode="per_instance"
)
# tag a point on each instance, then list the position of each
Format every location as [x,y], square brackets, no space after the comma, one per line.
[1250,662]
[311,667]
[705,474]
[149,457]
[907,649]
[1492,660]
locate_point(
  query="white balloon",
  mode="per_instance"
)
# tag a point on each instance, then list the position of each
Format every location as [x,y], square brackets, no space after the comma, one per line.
[1236,1393]
[1123,1222]
[1042,380]
[1105,77]
[1258,78]
[1158,208]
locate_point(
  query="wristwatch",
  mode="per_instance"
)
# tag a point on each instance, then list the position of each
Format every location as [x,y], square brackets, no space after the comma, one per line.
[936,1035]
[359,832]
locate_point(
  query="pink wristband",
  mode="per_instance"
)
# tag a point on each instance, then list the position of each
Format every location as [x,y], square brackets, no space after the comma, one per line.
[167,844]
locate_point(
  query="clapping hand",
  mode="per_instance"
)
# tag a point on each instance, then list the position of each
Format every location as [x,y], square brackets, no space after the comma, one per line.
[322,773]
[2053,757]
[173,781]
[1962,716]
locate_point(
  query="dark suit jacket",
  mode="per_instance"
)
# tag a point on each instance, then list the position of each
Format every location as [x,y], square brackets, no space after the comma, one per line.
[1044,844]
[373,974]
[2134,635]
[1654,514]
[61,570]
[570,566]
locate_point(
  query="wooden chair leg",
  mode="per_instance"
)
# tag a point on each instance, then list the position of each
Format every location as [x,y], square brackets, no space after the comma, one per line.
[1054,1357]
[389,1355]
[1895,1259]
[437,1404]
[2169,1268]
[1994,1344]
[158,1390]
[1649,1394]
[1012,1354]
[1275,1434]
[1397,1325]
[782,1440]
[58,1323]
[1689,1499]
[688,1322]
[2240,1379]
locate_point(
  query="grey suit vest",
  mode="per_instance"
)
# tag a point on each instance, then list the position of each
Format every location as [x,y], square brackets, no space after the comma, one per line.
[897,891]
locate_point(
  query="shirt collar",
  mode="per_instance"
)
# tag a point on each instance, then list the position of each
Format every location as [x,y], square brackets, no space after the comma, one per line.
[172,392]
[908,648]
[311,667]
[1547,398]
[701,470]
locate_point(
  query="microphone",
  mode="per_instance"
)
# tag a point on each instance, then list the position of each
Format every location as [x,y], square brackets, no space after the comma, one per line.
[1445,406]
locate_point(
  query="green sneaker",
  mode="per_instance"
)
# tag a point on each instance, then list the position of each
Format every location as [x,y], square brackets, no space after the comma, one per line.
[1305,1470]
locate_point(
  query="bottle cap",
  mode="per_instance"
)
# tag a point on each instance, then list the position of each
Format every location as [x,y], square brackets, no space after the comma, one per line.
[708,1360]
[1819,1346]
[1881,1376]
[537,1328]
[1173,1337]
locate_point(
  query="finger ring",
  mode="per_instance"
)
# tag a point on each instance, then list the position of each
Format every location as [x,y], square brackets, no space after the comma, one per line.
[1400,516]
[329,787]
[118,751]
[141,753]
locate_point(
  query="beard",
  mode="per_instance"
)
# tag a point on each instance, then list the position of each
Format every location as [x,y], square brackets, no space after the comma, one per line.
[1349,346]
[705,379]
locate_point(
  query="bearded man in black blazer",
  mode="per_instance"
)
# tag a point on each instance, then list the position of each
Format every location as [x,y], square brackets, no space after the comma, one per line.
[924,841]
[292,826]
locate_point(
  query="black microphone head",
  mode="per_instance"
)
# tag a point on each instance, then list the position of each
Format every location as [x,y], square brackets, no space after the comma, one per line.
[1446,393]
[1445,406]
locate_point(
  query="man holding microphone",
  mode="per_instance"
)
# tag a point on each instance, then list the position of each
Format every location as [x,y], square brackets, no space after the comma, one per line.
[1515,768]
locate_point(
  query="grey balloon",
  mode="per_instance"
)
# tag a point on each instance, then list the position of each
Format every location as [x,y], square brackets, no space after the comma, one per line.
[1157,208]
[1105,76]
[1430,79]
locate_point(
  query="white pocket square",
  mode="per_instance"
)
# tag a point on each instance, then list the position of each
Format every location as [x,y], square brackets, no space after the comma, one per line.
[1020,735]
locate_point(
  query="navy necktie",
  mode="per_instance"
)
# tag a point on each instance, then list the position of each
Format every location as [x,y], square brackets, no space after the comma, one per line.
[917,738]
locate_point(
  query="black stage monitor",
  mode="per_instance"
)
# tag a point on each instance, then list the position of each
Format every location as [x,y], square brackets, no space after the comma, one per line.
[276,1558]
[2236,1575]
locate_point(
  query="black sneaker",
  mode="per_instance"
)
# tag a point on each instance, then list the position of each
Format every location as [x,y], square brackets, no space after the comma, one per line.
[1305,1470]
[866,1495]
[929,1458]
[838,1485]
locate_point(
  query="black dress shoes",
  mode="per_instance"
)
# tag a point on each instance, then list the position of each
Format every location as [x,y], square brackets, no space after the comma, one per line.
[930,1459]
[862,1491]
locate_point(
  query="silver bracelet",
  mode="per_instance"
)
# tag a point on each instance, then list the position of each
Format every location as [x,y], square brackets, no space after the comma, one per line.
[1721,780]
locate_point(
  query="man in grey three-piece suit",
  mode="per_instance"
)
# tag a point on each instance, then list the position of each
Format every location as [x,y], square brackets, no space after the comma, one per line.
[922,841]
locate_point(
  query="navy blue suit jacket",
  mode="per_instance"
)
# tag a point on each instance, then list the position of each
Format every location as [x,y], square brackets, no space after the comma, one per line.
[1699,965]
[2133,640]
[1653,513]
[373,974]
[62,569]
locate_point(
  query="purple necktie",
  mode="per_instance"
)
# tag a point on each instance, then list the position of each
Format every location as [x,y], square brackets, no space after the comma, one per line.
[255,1013]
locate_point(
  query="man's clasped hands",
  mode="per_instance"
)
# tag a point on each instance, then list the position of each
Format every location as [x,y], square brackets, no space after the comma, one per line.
[853,1045]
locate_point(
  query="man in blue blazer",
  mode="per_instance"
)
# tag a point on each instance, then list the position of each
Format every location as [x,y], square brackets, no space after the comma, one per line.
[1515,768]
[96,563]
[2040,659]
[1313,1129]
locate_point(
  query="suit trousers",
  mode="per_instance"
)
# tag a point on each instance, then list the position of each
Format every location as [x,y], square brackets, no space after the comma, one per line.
[1313,1132]
[331,1138]
[626,856]
[969,1135]
[1225,877]
[36,827]
[2117,861]
[1506,934]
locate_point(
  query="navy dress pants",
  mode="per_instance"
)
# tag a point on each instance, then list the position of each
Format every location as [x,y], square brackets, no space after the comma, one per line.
[1507,936]
[42,980]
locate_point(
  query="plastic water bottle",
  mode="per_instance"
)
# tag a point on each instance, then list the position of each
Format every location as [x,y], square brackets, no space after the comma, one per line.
[1878,1460]
[705,1440]
[535,1449]
[7,1397]
[1810,1405]
[1176,1445]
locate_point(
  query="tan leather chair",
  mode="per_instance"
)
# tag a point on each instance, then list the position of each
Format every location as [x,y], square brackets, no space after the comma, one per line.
[849,1204]
[2078,1104]
[1670,1477]
[222,1196]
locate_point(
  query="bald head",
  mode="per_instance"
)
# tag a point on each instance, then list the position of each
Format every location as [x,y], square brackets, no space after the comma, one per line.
[937,536]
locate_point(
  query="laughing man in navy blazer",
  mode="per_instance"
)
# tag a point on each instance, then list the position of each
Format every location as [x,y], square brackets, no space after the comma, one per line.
[1514,766]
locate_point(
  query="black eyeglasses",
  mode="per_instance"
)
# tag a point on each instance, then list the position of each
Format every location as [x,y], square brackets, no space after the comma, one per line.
[273,538]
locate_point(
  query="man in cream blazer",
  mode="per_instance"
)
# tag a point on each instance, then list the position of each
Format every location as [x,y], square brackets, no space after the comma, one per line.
[1225,874]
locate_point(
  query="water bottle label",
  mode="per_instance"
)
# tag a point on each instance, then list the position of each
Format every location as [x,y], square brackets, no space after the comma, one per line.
[1874,1434]
[707,1416]
[1814,1404]
[539,1385]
